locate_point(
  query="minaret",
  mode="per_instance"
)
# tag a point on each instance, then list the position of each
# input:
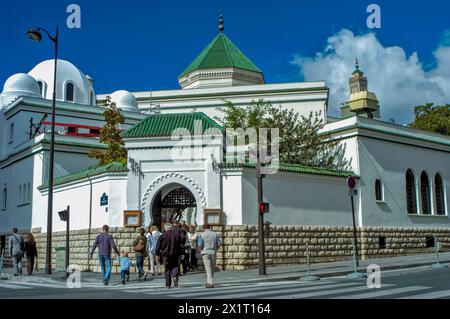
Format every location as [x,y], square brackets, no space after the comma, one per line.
[358,82]
[361,102]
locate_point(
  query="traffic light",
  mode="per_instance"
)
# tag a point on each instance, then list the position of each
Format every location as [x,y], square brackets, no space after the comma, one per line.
[263,208]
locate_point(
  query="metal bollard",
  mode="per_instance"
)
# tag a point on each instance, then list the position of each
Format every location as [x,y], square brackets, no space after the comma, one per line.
[355,274]
[437,248]
[308,277]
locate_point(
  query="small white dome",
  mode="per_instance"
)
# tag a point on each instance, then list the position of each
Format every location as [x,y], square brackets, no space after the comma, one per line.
[21,84]
[125,101]
[83,92]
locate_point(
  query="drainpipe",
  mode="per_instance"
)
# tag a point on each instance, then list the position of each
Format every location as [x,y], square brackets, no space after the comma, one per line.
[90,221]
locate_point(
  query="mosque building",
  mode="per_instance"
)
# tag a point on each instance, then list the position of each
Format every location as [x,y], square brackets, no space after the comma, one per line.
[402,173]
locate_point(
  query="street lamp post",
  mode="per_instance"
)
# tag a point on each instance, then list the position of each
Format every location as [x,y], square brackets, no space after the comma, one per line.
[36,35]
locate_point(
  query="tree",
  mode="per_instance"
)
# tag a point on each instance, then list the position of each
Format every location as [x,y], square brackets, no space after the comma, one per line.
[111,136]
[301,141]
[432,118]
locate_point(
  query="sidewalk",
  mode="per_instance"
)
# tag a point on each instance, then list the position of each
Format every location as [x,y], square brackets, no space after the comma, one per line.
[273,273]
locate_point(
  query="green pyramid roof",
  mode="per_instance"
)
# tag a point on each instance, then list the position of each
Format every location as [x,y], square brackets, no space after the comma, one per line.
[159,125]
[221,53]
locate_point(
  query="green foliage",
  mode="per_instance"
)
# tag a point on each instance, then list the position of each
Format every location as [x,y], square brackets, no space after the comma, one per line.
[111,136]
[432,118]
[300,139]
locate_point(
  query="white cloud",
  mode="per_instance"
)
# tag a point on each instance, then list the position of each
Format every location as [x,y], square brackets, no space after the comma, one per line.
[399,81]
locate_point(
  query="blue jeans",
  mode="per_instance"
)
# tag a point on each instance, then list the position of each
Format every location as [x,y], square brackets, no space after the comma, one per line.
[124,273]
[105,265]
[140,264]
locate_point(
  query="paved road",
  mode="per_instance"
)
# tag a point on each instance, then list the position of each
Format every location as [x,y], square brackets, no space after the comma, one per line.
[422,283]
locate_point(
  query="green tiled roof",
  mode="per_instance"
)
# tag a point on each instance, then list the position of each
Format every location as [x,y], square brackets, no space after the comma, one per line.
[295,168]
[75,143]
[114,167]
[221,53]
[164,124]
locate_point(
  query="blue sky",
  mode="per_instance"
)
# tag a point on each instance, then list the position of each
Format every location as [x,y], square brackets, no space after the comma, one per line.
[138,45]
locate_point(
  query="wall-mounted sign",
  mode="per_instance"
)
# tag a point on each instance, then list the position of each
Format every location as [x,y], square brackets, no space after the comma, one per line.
[132,218]
[351,182]
[104,200]
[212,216]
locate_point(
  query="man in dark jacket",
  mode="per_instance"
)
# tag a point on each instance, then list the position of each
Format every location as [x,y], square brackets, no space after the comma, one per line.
[168,248]
[182,235]
[105,243]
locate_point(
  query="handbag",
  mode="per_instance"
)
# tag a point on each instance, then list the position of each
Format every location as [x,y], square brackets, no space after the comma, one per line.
[139,246]
[36,266]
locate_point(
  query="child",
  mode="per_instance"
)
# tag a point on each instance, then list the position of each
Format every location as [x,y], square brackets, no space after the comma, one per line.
[125,264]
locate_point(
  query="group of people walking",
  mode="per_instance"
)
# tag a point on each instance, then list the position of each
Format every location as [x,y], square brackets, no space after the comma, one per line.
[20,248]
[175,248]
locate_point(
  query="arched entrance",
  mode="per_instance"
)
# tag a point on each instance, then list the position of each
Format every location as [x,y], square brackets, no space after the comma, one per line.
[174,202]
[161,186]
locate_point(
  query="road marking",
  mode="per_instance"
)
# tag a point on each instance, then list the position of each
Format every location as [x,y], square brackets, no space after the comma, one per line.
[13,286]
[380,293]
[189,291]
[324,293]
[251,292]
[430,295]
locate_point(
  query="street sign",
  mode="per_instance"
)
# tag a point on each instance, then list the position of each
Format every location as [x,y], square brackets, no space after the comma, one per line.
[104,200]
[351,182]
[64,215]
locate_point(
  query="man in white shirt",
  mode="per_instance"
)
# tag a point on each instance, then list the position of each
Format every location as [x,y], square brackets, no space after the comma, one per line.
[208,243]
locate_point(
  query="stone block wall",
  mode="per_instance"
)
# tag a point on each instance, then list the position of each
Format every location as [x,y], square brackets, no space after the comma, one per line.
[285,245]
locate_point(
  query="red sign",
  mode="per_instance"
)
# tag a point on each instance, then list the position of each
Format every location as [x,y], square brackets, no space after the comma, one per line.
[351,182]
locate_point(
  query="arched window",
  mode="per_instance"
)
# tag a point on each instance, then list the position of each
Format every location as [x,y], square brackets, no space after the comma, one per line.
[378,190]
[11,133]
[92,99]
[425,194]
[29,193]
[41,88]
[70,92]
[20,195]
[5,198]
[439,195]
[410,193]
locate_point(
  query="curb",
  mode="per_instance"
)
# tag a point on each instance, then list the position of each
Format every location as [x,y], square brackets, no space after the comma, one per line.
[267,278]
[340,273]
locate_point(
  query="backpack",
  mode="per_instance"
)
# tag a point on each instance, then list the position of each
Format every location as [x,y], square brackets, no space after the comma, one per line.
[22,245]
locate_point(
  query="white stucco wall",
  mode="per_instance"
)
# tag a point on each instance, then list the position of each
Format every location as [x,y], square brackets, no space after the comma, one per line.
[232,197]
[77,195]
[299,199]
[389,161]
[17,213]
[304,98]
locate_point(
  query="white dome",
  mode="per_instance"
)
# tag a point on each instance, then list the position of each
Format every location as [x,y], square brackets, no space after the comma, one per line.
[21,84]
[125,101]
[66,73]
[17,85]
